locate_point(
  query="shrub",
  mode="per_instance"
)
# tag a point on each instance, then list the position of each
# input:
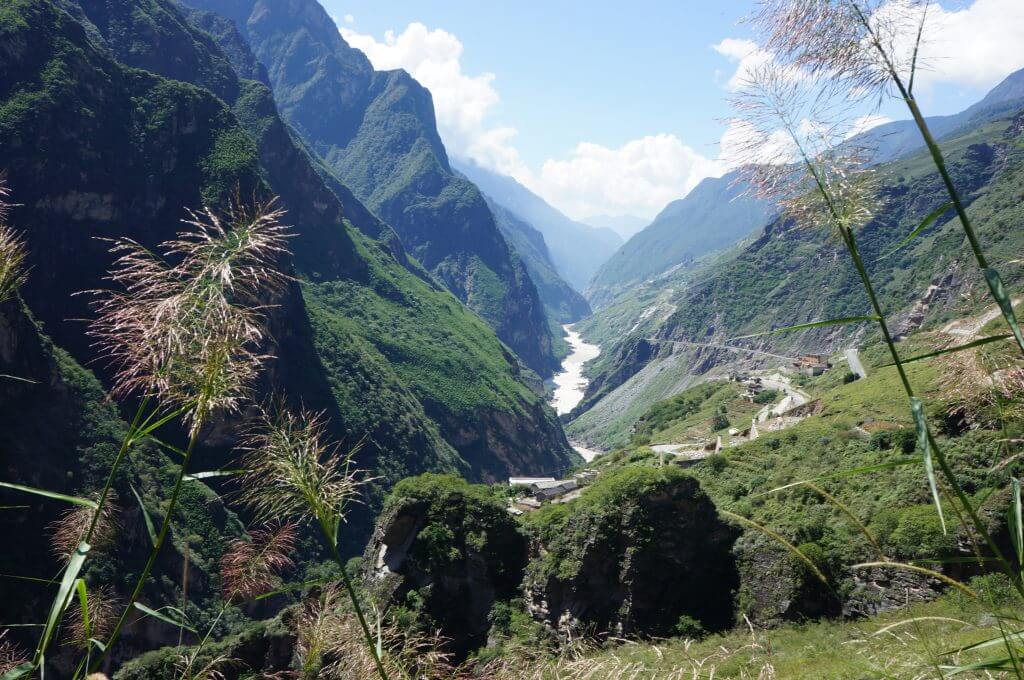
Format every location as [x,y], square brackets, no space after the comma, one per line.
[717,462]
[881,440]
[689,628]
[719,422]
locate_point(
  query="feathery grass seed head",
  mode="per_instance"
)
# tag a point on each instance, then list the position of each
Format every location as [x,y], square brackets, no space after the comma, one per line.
[97,622]
[791,140]
[293,474]
[188,333]
[251,567]
[12,251]
[68,531]
[11,656]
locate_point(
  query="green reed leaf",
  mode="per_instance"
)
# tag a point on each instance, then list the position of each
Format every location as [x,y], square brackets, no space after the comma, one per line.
[924,443]
[780,540]
[1016,524]
[950,350]
[60,602]
[156,614]
[844,473]
[927,222]
[211,474]
[21,671]
[50,494]
[83,603]
[920,570]
[995,285]
[150,529]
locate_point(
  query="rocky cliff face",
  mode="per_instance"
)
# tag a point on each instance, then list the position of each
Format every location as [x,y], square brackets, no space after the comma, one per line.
[450,551]
[376,131]
[639,552]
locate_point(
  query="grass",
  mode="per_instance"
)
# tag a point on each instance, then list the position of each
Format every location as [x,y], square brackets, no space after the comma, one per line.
[815,650]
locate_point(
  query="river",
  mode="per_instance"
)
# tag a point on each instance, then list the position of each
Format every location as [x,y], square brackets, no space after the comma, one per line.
[570,383]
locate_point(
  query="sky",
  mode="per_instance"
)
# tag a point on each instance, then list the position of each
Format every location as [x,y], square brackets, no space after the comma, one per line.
[610,108]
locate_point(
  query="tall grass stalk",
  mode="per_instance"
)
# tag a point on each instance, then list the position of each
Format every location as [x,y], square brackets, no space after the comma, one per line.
[154,552]
[184,335]
[293,473]
[858,48]
[833,186]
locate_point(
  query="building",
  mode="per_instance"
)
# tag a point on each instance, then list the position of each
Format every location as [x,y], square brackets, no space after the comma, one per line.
[528,481]
[812,364]
[545,491]
[753,387]
[521,505]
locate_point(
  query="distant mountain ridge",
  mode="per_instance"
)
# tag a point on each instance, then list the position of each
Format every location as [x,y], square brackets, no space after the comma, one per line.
[893,140]
[563,303]
[715,215]
[623,225]
[577,249]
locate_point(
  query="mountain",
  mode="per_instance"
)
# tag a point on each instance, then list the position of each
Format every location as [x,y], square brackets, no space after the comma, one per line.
[715,215]
[577,249]
[890,141]
[377,133]
[623,225]
[562,302]
[787,276]
[366,335]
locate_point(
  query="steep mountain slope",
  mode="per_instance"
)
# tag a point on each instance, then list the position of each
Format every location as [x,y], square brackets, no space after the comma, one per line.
[715,215]
[577,249]
[377,132]
[367,335]
[899,138]
[562,302]
[788,276]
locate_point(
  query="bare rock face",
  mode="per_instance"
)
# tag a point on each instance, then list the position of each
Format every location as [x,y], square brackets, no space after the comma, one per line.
[447,550]
[775,587]
[643,552]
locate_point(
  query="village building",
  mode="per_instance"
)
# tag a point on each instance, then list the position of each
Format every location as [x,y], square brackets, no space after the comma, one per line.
[545,491]
[812,364]
[528,481]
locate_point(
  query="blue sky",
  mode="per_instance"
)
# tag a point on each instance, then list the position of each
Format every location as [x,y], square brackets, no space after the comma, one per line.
[521,86]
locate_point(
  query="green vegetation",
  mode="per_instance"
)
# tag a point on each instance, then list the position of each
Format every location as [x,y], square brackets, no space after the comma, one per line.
[714,216]
[376,133]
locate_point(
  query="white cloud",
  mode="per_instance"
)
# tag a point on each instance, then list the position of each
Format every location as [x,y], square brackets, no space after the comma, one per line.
[349,19]
[462,102]
[747,56]
[639,177]
[976,46]
[865,123]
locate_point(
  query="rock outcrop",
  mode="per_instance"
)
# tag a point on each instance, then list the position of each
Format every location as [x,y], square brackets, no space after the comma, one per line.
[447,550]
[643,552]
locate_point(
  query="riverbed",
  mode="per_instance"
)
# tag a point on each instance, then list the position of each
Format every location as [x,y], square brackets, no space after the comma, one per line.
[570,383]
